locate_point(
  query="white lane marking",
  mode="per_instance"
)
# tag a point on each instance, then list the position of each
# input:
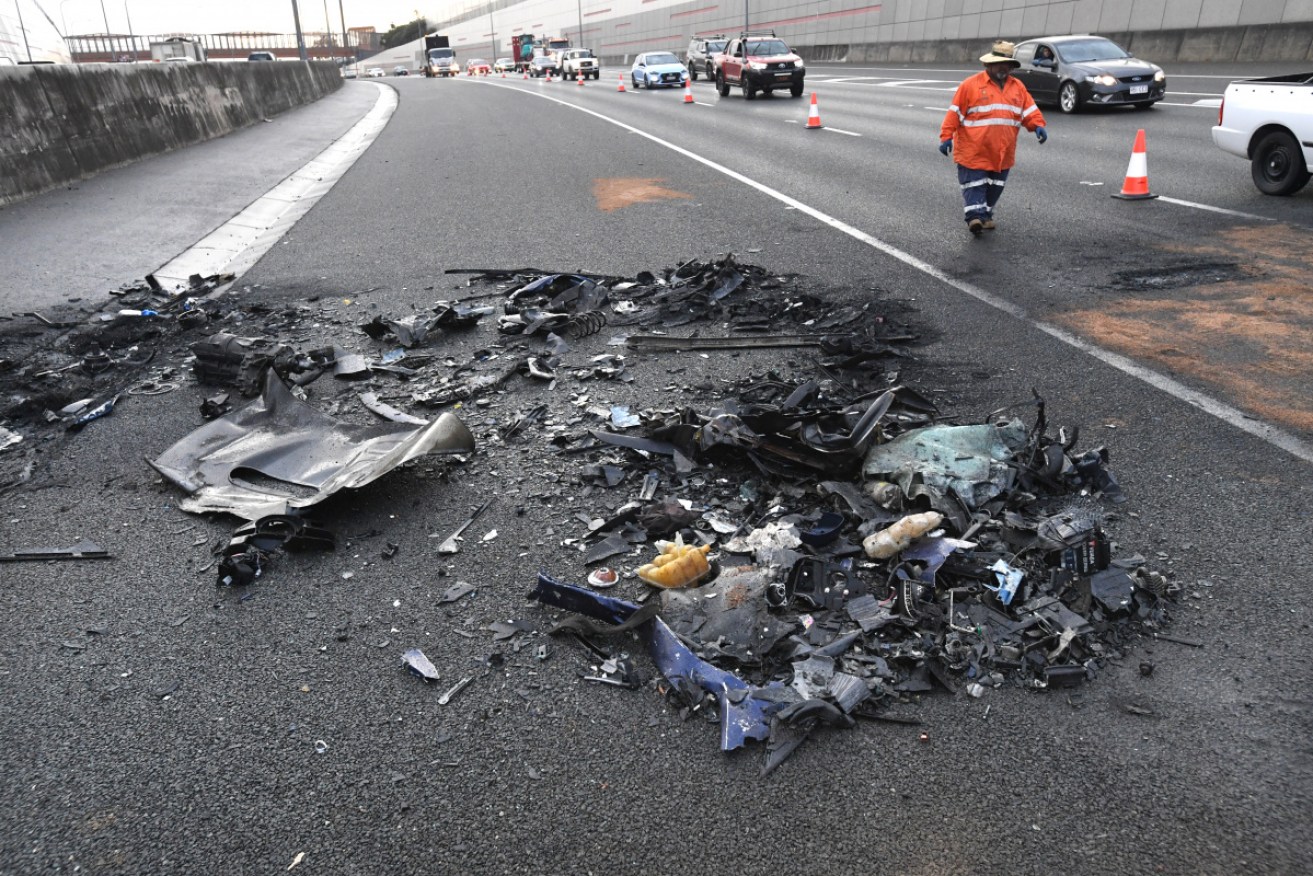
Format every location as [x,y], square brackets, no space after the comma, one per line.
[842,131]
[938,109]
[1213,209]
[1206,403]
[700,103]
[1213,102]
[235,246]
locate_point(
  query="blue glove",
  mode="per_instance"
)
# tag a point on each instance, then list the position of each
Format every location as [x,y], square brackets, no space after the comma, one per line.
[1041,135]
[946,146]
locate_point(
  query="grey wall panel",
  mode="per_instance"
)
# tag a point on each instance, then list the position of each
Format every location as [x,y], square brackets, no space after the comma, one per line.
[1181,13]
[1297,10]
[1085,17]
[1010,22]
[954,7]
[1034,22]
[972,7]
[1219,13]
[991,24]
[1261,11]
[1058,19]
[1146,15]
[1116,15]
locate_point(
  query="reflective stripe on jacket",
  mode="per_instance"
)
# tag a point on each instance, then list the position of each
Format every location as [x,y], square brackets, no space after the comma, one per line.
[984,120]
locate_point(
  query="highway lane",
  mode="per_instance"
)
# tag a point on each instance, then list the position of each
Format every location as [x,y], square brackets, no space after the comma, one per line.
[534,771]
[1095,257]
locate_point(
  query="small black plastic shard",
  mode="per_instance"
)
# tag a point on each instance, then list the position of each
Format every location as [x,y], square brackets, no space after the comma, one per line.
[456,591]
[503,630]
[1113,589]
[613,544]
[1064,676]
[216,406]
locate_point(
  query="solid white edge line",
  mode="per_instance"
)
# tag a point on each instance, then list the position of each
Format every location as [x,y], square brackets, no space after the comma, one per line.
[842,131]
[235,246]
[1209,405]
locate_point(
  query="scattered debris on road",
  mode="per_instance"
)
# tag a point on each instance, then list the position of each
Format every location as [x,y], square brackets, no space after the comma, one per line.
[802,540]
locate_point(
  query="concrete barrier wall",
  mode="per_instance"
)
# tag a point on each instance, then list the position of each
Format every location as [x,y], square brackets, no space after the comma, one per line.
[60,123]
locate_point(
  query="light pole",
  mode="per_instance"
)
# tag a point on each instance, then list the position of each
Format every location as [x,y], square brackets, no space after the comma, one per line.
[328,29]
[132,39]
[346,52]
[579,4]
[492,28]
[300,37]
[746,24]
[106,17]
[23,28]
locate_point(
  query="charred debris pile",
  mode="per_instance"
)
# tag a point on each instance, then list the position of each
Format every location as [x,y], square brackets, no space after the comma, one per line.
[806,539]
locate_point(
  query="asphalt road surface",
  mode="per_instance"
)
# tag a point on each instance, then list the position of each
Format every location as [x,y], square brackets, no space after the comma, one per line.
[155,724]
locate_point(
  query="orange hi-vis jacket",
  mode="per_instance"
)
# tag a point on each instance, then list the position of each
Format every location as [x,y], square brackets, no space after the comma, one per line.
[984,119]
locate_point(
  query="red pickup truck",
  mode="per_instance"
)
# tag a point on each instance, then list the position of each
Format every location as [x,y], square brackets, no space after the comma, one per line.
[759,62]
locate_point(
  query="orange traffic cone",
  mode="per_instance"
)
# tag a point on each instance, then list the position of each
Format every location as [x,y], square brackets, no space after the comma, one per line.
[814,115]
[549,75]
[526,74]
[621,89]
[688,90]
[1136,186]
[579,77]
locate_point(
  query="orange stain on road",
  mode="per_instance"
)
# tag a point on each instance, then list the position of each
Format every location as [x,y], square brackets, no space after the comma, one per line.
[1251,335]
[625,191]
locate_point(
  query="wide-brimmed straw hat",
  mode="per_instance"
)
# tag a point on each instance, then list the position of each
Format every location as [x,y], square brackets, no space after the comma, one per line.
[1001,54]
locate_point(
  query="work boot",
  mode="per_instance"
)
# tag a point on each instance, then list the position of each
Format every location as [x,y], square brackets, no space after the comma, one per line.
[988,225]
[975,226]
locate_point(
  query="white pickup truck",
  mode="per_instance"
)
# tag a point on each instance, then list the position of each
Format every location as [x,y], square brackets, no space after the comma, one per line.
[1270,122]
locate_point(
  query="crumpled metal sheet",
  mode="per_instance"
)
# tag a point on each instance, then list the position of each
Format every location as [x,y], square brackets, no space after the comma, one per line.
[970,461]
[281,440]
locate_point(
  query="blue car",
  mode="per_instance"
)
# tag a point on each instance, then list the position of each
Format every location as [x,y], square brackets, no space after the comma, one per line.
[657,68]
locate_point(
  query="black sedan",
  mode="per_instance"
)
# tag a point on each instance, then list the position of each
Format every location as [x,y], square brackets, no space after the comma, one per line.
[1080,71]
[544,65]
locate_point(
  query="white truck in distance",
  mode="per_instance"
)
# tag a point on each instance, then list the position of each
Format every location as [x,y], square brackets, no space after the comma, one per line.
[1270,122]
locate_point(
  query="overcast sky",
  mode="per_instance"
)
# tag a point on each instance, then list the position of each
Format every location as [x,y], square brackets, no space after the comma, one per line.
[223,16]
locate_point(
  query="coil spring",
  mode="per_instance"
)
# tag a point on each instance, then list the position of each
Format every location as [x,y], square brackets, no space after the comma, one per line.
[1154,582]
[581,325]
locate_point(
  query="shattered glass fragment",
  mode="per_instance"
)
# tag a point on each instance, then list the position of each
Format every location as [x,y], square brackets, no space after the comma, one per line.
[971,461]
[415,661]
